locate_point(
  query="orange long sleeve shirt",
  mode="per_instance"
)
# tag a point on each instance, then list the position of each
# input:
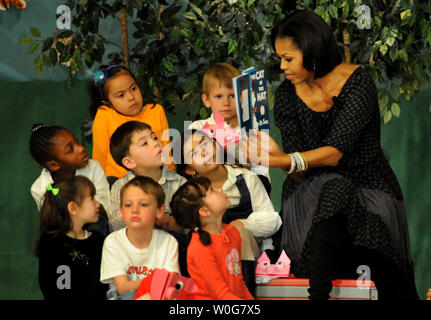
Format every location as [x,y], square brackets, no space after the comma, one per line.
[216,268]
[107,120]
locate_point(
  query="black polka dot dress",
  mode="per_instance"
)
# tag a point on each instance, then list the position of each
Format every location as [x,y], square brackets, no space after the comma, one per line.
[362,186]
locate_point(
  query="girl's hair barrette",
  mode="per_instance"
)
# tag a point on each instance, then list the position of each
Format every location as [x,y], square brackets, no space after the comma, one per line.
[100,77]
[54,191]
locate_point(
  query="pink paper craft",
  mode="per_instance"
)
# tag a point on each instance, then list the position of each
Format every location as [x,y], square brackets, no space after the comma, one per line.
[164,285]
[264,267]
[224,136]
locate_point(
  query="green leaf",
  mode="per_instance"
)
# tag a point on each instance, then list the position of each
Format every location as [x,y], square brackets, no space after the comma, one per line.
[378,21]
[429,37]
[197,9]
[37,64]
[333,11]
[35,32]
[47,44]
[319,10]
[387,117]
[393,54]
[46,60]
[232,46]
[190,15]
[383,103]
[403,55]
[346,10]
[53,56]
[250,2]
[405,14]
[65,34]
[33,48]
[390,41]
[26,40]
[395,108]
[198,45]
[169,66]
[395,91]
[383,49]
[394,32]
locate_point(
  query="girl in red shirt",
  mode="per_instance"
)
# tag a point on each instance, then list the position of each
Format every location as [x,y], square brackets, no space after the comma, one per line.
[213,254]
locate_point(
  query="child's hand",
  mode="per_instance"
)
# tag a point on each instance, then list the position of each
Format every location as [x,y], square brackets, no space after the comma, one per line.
[167,223]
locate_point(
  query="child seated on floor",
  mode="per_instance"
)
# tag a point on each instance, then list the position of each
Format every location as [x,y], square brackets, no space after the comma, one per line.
[131,253]
[135,147]
[213,254]
[60,154]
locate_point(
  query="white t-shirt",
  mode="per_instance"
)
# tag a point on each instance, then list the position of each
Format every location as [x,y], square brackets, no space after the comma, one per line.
[92,171]
[120,257]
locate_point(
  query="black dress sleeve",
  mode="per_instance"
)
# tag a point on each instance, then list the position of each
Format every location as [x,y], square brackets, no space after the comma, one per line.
[357,107]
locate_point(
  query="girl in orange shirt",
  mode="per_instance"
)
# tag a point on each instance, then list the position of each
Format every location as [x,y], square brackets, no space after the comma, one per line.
[214,251]
[115,99]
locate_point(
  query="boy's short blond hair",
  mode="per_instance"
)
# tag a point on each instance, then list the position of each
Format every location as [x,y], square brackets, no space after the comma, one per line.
[220,73]
[148,186]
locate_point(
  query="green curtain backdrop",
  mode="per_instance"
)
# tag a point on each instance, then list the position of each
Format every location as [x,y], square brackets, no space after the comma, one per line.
[405,140]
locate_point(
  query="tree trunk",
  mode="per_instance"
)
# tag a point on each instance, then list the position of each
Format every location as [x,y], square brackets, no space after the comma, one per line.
[123,18]
[346,40]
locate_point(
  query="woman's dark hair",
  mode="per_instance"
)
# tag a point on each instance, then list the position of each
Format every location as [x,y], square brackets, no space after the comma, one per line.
[54,215]
[313,36]
[98,95]
[41,142]
[185,205]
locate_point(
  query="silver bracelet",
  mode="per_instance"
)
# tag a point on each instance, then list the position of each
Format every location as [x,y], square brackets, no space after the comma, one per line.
[292,164]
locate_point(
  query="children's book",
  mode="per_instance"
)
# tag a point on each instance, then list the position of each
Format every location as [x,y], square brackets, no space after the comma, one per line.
[250,90]
[241,87]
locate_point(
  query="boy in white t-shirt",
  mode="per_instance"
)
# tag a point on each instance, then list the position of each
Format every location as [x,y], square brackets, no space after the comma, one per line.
[132,253]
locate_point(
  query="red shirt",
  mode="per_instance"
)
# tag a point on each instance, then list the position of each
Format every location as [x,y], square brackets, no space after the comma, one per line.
[216,268]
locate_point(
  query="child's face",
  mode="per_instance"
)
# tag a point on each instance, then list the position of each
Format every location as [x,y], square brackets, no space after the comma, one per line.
[68,153]
[139,209]
[124,94]
[201,154]
[145,150]
[222,99]
[216,201]
[88,210]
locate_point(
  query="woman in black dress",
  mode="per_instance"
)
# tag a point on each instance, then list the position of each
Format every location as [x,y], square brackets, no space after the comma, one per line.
[342,206]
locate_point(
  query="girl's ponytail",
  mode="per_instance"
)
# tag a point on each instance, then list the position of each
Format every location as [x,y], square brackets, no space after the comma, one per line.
[204,237]
[185,205]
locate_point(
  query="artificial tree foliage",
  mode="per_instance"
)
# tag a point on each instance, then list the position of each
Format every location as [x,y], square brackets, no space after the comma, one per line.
[177,40]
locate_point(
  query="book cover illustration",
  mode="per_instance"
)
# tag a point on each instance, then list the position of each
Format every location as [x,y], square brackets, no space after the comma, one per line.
[250,90]
[241,86]
[259,102]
